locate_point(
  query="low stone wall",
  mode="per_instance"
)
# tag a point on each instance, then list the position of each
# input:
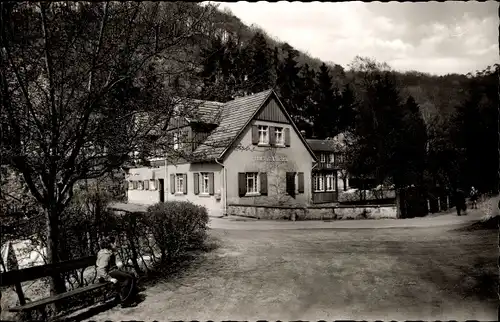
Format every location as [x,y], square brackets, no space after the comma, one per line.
[338,212]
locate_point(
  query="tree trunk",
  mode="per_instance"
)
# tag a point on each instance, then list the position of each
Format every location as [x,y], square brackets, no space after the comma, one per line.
[57,285]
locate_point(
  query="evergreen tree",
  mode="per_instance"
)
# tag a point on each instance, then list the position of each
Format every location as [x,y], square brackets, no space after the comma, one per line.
[212,58]
[289,82]
[347,112]
[261,76]
[308,91]
[326,118]
[415,141]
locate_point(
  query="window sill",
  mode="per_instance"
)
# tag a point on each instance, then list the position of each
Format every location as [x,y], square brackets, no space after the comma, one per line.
[179,194]
[280,145]
[263,144]
[252,194]
[204,195]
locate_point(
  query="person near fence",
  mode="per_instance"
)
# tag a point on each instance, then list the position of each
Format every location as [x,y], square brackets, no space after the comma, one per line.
[460,203]
[108,270]
[474,194]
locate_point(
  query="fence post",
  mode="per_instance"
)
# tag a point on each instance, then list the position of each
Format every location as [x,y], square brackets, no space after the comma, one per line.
[448,201]
[439,204]
[428,206]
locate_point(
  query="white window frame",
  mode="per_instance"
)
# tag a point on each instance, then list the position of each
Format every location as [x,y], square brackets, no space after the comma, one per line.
[263,131]
[330,182]
[176,140]
[255,188]
[130,185]
[152,184]
[204,183]
[319,182]
[179,183]
[279,136]
[140,185]
[331,158]
[322,158]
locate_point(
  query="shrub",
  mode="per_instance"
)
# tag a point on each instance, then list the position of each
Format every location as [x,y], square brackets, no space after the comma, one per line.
[177,226]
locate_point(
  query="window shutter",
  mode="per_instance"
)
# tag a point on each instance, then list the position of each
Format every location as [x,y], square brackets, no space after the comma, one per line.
[185,183]
[146,184]
[301,182]
[134,184]
[196,181]
[211,183]
[272,135]
[263,183]
[290,183]
[287,137]
[255,134]
[242,184]
[127,185]
[172,183]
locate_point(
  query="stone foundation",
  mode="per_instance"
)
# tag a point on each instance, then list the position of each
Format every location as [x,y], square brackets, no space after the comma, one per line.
[314,213]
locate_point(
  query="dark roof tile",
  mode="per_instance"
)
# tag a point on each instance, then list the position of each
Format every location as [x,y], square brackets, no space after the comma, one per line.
[234,115]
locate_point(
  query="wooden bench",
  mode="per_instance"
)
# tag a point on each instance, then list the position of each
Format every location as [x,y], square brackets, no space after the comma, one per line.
[16,277]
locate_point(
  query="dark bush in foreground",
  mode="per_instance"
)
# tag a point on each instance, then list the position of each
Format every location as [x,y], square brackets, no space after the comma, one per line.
[177,226]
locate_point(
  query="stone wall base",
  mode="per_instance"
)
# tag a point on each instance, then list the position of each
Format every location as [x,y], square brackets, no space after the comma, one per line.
[314,213]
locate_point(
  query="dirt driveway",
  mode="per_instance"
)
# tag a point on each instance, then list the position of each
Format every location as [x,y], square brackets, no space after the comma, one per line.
[312,274]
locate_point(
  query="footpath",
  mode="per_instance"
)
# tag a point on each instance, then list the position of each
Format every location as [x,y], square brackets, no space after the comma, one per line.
[449,218]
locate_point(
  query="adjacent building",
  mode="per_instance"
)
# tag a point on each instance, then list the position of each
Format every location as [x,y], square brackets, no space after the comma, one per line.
[247,151]
[327,172]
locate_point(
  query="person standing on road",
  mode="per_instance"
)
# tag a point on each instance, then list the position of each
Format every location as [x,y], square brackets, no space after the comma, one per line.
[107,270]
[474,194]
[460,203]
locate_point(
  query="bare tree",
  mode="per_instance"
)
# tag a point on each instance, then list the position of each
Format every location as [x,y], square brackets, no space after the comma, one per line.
[75,79]
[276,166]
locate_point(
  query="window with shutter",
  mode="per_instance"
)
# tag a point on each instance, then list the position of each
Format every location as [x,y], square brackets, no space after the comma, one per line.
[263,183]
[204,183]
[301,182]
[263,134]
[279,137]
[287,137]
[242,187]
[252,183]
[172,183]
[146,184]
[272,137]
[185,183]
[255,134]
[290,183]
[211,183]
[196,183]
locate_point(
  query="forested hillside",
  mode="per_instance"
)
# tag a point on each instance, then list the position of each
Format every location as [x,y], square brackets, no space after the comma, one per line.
[437,130]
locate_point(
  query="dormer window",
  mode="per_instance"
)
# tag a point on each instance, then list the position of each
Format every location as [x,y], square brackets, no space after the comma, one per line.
[263,134]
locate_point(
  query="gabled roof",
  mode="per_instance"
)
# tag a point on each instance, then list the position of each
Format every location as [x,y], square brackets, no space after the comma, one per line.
[322,145]
[336,144]
[235,116]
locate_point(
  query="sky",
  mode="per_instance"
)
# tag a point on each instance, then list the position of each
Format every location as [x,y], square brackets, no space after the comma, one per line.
[432,37]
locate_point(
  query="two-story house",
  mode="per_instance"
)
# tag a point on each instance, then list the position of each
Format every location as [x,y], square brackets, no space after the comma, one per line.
[246,151]
[328,172]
